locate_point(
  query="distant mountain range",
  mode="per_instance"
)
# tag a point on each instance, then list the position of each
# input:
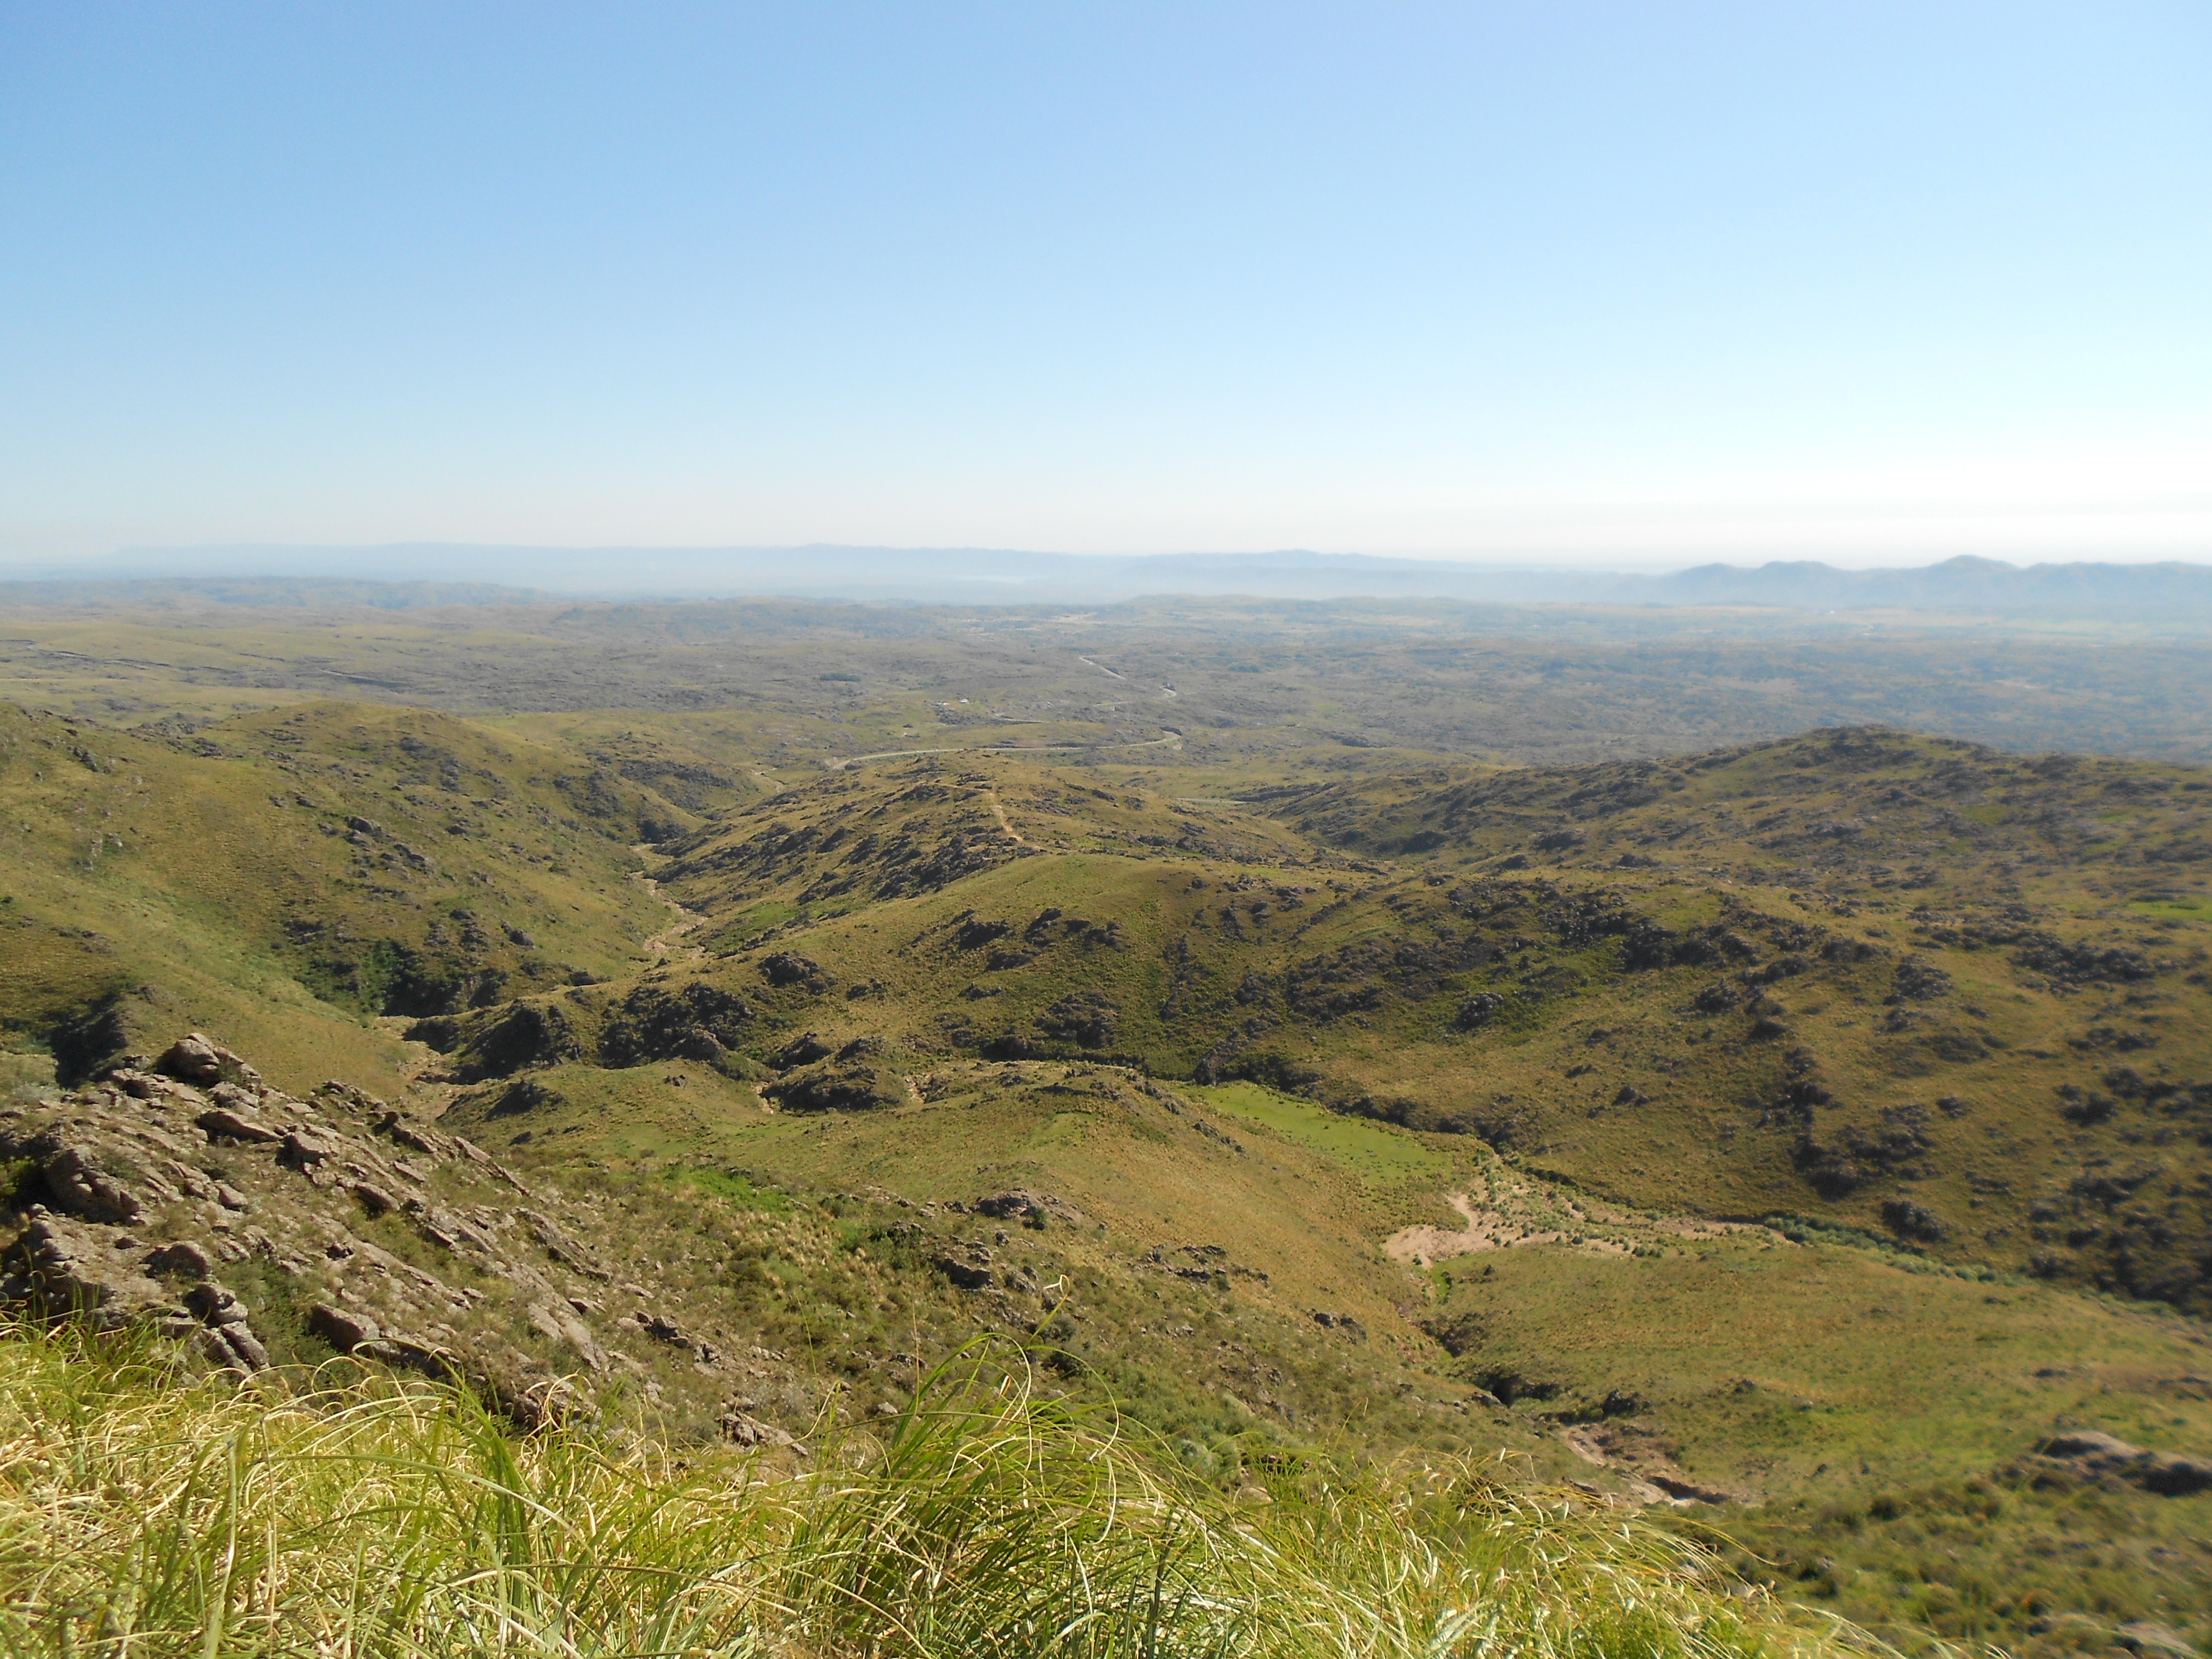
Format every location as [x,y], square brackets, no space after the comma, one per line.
[415,573]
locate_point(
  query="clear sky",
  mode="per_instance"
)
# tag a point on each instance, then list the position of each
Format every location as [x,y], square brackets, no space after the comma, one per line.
[1614,283]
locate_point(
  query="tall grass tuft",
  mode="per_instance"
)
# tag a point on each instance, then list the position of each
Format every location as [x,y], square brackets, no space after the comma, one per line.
[144,1511]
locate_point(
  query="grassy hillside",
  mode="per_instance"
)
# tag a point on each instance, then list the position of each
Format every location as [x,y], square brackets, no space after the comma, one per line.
[1936,994]
[279,876]
[1799,1134]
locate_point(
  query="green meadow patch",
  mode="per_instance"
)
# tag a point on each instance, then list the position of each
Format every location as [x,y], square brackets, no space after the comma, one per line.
[1376,1152]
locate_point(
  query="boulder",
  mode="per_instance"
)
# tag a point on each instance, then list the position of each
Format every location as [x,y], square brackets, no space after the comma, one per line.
[149,1085]
[2088,1452]
[303,1149]
[219,1124]
[234,1347]
[192,1059]
[198,1058]
[215,1304]
[412,1136]
[342,1328]
[559,1324]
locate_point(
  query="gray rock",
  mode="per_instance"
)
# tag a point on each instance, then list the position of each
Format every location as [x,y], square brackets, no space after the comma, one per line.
[60,1266]
[215,1304]
[558,1324]
[2088,1451]
[192,1058]
[412,1136]
[742,1430]
[2156,1640]
[219,1124]
[234,1347]
[237,1099]
[561,1248]
[303,1149]
[345,1331]
[78,1186]
[972,1275]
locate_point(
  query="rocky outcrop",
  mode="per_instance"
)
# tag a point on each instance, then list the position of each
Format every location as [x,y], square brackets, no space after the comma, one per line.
[2084,1456]
[198,1058]
[60,1266]
[852,1079]
[697,1021]
[1032,1209]
[787,968]
[372,1233]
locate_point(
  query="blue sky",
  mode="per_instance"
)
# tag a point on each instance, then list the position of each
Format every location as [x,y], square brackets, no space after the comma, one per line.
[1602,283]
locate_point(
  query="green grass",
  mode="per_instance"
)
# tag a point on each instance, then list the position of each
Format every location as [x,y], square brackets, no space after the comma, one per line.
[2198,909]
[1871,1418]
[1375,1152]
[732,1188]
[144,1513]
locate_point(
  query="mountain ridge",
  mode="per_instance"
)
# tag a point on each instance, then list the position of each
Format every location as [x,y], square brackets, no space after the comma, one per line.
[450,573]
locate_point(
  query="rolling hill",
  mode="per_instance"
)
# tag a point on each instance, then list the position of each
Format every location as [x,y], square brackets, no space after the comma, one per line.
[1808,1134]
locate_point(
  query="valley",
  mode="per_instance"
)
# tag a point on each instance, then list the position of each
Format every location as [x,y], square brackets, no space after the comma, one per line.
[1328,1036]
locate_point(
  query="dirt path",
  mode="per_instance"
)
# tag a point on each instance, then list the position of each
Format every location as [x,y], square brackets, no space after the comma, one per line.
[665,945]
[1000,813]
[1515,1214]
[1486,1229]
[1645,1462]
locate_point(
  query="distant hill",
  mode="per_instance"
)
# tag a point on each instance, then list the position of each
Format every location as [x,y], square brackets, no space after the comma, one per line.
[1955,585]
[294,593]
[418,573]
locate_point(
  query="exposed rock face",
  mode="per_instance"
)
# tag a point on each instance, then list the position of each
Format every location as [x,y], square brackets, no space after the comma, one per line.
[78,1186]
[142,1191]
[970,1271]
[802,1050]
[697,1021]
[63,1267]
